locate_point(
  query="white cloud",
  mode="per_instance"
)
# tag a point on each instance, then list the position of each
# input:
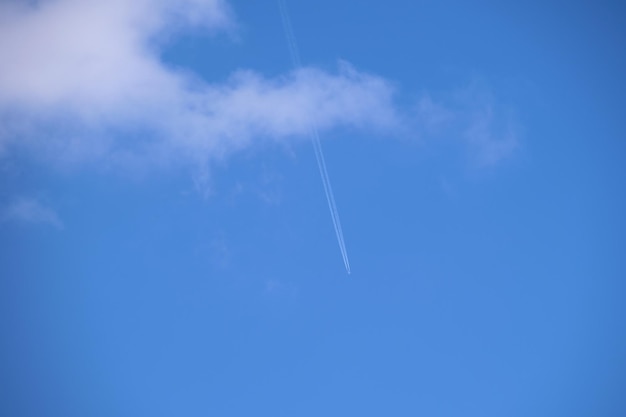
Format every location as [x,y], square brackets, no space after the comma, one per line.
[82,79]
[28,210]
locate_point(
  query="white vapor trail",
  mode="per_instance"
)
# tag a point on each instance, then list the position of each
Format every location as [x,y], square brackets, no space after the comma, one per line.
[315,138]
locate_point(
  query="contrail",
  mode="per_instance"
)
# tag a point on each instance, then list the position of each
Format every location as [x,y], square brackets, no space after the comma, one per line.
[315,138]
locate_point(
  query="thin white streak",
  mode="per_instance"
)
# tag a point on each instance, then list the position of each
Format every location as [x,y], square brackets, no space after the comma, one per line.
[314,135]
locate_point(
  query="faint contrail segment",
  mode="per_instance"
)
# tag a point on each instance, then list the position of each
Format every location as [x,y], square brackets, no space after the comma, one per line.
[315,138]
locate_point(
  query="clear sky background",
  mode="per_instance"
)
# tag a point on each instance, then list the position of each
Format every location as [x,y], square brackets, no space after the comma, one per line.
[166,247]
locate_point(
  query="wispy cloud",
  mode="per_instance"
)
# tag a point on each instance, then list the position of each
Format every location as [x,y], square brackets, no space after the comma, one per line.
[82,79]
[473,117]
[278,289]
[491,140]
[29,210]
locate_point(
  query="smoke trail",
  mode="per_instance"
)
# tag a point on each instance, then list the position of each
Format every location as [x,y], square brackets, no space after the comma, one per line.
[314,135]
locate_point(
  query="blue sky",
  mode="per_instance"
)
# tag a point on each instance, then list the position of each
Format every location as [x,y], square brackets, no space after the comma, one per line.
[166,247]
